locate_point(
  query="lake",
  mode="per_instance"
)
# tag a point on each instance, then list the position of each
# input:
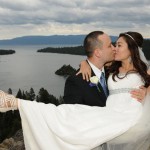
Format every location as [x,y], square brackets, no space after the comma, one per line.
[27,68]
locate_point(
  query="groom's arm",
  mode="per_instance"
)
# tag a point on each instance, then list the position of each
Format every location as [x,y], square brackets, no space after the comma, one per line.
[73,91]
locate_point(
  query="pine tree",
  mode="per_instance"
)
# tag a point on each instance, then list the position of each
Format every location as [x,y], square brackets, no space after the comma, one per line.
[32,94]
[23,95]
[43,96]
[53,100]
[27,95]
[19,94]
[46,98]
[9,91]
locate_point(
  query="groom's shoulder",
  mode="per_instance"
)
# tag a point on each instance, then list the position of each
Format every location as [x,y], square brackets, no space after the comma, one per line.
[75,77]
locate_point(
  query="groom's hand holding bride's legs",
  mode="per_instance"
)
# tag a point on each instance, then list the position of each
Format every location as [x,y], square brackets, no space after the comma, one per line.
[7,102]
[139,94]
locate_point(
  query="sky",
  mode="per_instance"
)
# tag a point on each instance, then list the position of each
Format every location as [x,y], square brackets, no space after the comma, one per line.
[71,17]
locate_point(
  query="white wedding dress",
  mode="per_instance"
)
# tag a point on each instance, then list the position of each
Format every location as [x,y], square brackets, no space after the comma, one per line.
[80,127]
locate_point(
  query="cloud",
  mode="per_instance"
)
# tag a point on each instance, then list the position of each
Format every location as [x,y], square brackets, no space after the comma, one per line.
[46,17]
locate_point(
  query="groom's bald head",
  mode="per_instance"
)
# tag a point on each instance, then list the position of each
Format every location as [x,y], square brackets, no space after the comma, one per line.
[91,42]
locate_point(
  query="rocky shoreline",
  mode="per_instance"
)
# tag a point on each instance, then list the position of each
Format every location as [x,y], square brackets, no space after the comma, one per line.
[14,143]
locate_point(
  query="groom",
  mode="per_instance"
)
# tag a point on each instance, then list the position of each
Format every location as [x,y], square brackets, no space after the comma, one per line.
[99,51]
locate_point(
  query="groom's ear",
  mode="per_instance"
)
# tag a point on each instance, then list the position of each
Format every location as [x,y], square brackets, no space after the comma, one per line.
[97,52]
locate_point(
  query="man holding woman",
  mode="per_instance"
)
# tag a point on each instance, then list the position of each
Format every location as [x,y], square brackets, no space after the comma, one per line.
[80,127]
[77,90]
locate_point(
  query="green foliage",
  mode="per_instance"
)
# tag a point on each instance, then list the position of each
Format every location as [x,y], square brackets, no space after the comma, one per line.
[46,98]
[9,91]
[32,94]
[10,121]
[43,96]
[6,52]
[78,50]
[65,70]
[26,95]
[19,94]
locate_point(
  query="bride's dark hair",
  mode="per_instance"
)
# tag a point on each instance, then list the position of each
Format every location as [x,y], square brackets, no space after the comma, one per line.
[134,41]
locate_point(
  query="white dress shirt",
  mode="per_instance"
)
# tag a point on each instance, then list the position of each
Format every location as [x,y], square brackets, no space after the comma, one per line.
[96,70]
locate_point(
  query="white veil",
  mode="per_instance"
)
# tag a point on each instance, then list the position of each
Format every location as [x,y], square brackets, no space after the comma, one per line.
[143,58]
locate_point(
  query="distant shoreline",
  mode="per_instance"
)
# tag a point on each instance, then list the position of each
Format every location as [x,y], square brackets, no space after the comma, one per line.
[77,50]
[7,52]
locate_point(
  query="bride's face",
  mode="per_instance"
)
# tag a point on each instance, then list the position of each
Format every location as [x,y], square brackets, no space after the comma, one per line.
[122,51]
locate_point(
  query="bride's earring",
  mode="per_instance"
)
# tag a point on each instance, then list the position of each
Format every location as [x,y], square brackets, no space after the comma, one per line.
[130,59]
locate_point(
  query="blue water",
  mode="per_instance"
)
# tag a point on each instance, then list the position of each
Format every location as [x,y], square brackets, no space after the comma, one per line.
[27,68]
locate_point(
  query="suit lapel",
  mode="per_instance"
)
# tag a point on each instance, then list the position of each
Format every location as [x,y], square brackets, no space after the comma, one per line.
[99,85]
[106,77]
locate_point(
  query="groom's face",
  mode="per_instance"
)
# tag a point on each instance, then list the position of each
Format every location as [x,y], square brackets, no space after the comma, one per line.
[108,50]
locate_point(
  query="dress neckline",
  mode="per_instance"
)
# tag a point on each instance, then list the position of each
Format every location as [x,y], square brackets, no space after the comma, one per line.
[123,73]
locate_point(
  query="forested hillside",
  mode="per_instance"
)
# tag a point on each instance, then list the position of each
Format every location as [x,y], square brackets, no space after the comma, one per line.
[78,50]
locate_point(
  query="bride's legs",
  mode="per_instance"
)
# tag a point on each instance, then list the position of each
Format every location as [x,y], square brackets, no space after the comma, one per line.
[7,102]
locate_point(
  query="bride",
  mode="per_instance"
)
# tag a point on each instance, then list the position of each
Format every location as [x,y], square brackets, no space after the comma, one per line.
[80,127]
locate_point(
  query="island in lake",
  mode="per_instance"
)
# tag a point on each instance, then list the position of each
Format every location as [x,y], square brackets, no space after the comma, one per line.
[7,52]
[65,70]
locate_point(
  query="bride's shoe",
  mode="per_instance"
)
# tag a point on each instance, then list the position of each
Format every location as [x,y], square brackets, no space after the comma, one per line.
[7,102]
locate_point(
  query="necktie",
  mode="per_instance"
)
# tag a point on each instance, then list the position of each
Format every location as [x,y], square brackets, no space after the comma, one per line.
[103,83]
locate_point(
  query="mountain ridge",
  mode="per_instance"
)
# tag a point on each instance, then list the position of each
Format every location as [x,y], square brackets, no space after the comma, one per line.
[52,39]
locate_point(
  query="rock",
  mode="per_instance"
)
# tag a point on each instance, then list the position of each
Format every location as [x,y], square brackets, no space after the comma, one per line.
[6,144]
[14,143]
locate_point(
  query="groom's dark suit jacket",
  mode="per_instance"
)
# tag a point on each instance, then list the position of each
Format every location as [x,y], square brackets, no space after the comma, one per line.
[78,91]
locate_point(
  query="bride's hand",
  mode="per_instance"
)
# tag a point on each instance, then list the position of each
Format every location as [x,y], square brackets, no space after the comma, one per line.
[85,70]
[7,102]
